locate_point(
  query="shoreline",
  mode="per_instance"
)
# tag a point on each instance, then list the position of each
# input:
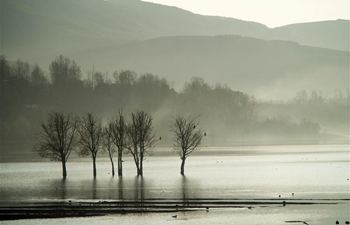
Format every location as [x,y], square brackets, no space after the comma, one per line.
[71,208]
[166,151]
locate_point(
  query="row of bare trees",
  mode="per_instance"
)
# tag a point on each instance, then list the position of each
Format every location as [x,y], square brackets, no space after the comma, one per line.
[63,133]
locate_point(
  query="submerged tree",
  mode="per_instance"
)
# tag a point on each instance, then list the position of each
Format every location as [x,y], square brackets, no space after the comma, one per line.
[57,139]
[108,144]
[187,137]
[90,131]
[119,133]
[140,138]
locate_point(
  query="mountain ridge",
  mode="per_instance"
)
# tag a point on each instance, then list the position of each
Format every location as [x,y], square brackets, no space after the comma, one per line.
[229,59]
[148,37]
[78,25]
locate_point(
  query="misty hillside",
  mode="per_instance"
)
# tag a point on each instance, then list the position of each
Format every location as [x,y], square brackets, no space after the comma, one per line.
[36,30]
[327,34]
[36,27]
[229,116]
[257,66]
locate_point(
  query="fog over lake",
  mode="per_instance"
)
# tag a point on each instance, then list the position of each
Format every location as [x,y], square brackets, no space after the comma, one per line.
[320,172]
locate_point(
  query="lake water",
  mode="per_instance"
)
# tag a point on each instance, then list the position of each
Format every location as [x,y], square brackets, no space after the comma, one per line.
[247,172]
[264,172]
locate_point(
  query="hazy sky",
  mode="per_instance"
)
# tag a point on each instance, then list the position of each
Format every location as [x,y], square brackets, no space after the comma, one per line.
[269,12]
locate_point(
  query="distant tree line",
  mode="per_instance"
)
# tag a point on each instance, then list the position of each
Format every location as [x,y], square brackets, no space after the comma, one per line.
[28,93]
[63,133]
[318,98]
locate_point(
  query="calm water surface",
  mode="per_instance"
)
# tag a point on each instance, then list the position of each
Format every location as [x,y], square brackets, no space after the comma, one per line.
[247,172]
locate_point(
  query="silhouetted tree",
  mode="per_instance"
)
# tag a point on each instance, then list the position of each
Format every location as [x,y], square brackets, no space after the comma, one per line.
[67,87]
[4,69]
[119,132]
[140,138]
[125,78]
[4,84]
[57,139]
[108,143]
[37,77]
[90,131]
[132,142]
[21,70]
[187,137]
[63,70]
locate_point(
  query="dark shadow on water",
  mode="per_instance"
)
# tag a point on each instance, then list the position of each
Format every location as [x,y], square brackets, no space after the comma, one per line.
[111,194]
[94,188]
[121,190]
[184,190]
[63,191]
[57,189]
[188,189]
[139,190]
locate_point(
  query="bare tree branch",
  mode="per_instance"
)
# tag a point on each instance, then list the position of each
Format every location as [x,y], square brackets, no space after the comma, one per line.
[119,134]
[187,137]
[90,132]
[57,138]
[140,138]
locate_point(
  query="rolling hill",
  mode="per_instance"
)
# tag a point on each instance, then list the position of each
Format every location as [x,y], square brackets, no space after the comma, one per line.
[36,29]
[178,44]
[263,67]
[327,34]
[40,29]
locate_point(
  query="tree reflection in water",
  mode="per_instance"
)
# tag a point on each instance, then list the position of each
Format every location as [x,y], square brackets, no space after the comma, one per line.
[94,188]
[121,191]
[56,189]
[139,190]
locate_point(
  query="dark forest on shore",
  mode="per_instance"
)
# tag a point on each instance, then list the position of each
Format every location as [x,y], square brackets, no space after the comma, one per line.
[28,93]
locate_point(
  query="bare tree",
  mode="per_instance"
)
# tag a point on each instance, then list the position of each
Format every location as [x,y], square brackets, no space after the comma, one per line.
[57,138]
[108,143]
[90,131]
[140,138]
[119,132]
[187,137]
[132,142]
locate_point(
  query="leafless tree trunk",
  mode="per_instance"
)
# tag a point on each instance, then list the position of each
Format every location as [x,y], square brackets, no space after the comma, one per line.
[140,138]
[187,138]
[119,131]
[57,139]
[132,137]
[108,144]
[90,131]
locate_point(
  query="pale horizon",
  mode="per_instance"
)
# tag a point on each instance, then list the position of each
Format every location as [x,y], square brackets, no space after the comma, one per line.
[284,12]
